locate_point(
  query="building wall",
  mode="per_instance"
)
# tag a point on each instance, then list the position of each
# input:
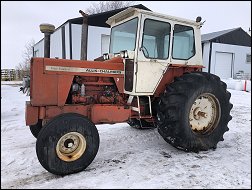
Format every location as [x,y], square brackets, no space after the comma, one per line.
[95,49]
[98,42]
[67,41]
[39,49]
[56,44]
[239,54]
[205,54]
[76,41]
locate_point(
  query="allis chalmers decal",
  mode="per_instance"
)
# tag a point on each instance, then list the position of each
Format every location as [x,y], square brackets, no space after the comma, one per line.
[83,70]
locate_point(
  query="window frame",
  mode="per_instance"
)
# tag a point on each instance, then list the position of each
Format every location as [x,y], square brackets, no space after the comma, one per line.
[173,43]
[168,43]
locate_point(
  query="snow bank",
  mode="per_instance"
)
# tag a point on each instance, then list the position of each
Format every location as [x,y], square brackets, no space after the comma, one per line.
[11,82]
[236,84]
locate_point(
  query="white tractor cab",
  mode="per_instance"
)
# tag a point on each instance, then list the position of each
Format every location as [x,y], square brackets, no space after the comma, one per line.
[151,42]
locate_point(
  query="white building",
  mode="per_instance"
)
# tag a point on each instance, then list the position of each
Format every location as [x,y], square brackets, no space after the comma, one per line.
[66,40]
[227,53]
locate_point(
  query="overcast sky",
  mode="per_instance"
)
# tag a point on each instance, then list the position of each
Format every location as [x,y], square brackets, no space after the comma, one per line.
[20,20]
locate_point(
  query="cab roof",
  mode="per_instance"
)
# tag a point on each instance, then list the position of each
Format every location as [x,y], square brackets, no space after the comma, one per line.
[132,11]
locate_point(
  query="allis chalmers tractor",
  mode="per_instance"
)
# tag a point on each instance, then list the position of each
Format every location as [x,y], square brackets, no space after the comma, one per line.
[151,77]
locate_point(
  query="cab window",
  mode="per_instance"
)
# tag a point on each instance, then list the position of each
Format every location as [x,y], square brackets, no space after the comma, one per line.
[123,36]
[156,39]
[183,42]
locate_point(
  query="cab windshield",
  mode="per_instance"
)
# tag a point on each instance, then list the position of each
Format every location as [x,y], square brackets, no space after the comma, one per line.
[123,36]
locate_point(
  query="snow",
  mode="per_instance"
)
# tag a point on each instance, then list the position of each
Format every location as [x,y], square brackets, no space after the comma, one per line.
[127,157]
[11,82]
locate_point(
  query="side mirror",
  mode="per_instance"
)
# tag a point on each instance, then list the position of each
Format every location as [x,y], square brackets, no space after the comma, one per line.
[198,19]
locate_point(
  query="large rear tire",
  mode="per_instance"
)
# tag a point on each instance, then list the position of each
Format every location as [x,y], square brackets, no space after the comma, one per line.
[194,112]
[67,144]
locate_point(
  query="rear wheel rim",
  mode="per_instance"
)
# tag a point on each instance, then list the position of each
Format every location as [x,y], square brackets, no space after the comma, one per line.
[71,146]
[204,114]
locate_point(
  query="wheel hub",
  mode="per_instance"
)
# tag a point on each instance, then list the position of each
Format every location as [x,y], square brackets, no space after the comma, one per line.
[197,113]
[71,146]
[205,113]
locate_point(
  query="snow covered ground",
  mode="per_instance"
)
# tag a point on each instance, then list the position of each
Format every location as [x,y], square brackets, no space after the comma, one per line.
[127,157]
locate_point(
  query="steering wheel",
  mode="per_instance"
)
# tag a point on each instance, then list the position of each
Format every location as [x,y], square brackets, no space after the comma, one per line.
[145,51]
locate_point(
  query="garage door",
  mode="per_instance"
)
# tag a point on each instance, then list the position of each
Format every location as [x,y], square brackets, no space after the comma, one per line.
[223,64]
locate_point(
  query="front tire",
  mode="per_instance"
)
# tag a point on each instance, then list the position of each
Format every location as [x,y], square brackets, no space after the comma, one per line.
[67,144]
[194,111]
[35,129]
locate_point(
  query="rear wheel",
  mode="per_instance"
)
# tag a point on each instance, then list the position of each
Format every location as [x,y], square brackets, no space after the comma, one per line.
[67,144]
[194,112]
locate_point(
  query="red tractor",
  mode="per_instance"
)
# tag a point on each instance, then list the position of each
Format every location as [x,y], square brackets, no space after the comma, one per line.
[150,78]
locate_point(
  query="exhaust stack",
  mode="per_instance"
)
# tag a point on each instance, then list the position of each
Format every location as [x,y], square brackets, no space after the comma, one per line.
[84,35]
[47,29]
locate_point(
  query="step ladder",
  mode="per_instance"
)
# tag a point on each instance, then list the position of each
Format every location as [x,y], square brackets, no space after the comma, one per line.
[137,109]
[149,117]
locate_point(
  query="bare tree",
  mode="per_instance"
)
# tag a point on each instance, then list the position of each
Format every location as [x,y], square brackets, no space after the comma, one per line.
[23,67]
[103,6]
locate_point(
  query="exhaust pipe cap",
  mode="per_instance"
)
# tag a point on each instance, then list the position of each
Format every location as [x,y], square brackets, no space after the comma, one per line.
[47,28]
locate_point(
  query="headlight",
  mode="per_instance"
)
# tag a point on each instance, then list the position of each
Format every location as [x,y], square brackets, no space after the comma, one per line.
[105,56]
[124,54]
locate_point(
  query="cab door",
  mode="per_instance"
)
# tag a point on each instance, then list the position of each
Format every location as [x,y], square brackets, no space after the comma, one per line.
[153,54]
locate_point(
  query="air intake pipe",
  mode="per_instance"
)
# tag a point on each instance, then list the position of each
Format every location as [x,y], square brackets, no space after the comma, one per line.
[47,29]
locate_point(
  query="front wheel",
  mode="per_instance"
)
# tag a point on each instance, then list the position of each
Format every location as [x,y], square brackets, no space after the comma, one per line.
[194,111]
[67,144]
[35,129]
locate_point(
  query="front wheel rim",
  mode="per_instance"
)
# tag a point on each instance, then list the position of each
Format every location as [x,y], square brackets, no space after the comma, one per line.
[71,146]
[204,114]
